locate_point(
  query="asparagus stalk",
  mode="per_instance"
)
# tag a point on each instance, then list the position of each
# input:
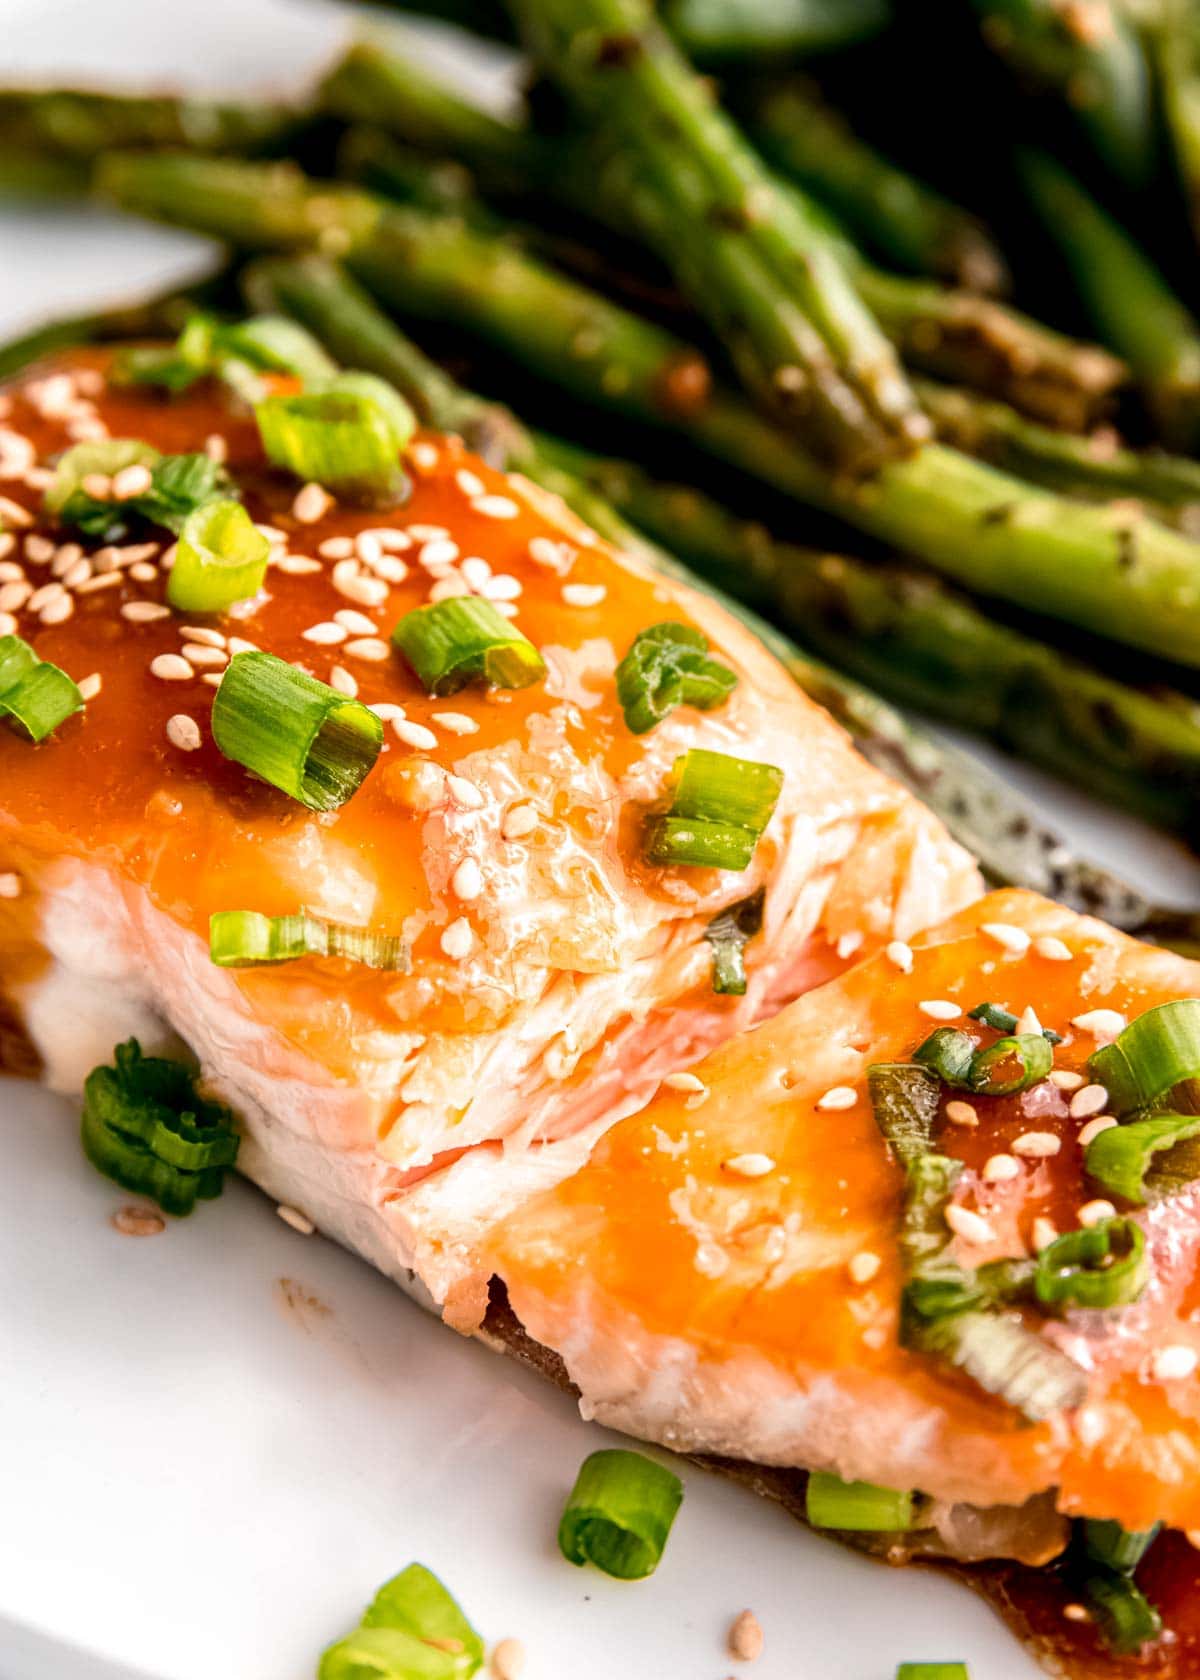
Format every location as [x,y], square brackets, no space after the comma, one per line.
[949,334]
[983,812]
[1130,303]
[1175,37]
[769,284]
[1091,57]
[906,222]
[1110,570]
[75,123]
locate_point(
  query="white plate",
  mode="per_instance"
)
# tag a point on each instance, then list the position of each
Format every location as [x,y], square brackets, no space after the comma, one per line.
[205,1471]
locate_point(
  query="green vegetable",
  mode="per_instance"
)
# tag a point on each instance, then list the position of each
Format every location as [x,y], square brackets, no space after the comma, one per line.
[1101,1265]
[619,1514]
[863,1507]
[452,643]
[1126,1617]
[1115,1547]
[1010,1065]
[905,1100]
[234,351]
[295,732]
[35,695]
[412,1630]
[144,1126]
[668,666]
[345,433]
[932,1671]
[719,807]
[1154,1054]
[248,939]
[179,484]
[1125,1160]
[1004,1021]
[948,1052]
[728,934]
[221,558]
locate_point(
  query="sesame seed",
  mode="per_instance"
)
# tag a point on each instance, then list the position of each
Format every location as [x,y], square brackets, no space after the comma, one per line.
[38,549]
[272,533]
[457,723]
[583,594]
[131,481]
[202,633]
[518,822]
[939,1009]
[66,556]
[76,574]
[171,667]
[427,533]
[388,568]
[11,571]
[900,954]
[236,644]
[438,552]
[390,538]
[212,678]
[469,483]
[216,448]
[96,485]
[423,456]
[752,1165]
[1101,1123]
[1066,1079]
[367,591]
[464,793]
[1192,1536]
[357,623]
[137,1221]
[8,624]
[1076,1613]
[1028,1023]
[1053,949]
[1045,1231]
[183,732]
[684,1082]
[42,597]
[839,1096]
[446,588]
[57,611]
[297,1220]
[1000,1169]
[343,681]
[199,653]
[13,596]
[326,634]
[100,580]
[467,881]
[1037,1146]
[849,943]
[457,939]
[1013,939]
[971,1227]
[476,571]
[1088,1101]
[311,503]
[961,1113]
[864,1266]
[1100,1023]
[12,513]
[495,507]
[89,687]
[1171,1364]
[297,565]
[336,548]
[557,556]
[144,612]
[1091,1213]
[414,734]
[746,1638]
[10,884]
[507,1660]
[387,709]
[367,647]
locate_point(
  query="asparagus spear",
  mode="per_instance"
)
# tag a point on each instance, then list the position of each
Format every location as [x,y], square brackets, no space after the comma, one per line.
[1110,570]
[763,275]
[1175,38]
[950,334]
[79,123]
[1091,56]
[983,812]
[1131,304]
[905,221]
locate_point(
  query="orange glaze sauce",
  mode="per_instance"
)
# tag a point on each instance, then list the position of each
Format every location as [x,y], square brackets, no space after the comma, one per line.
[194,828]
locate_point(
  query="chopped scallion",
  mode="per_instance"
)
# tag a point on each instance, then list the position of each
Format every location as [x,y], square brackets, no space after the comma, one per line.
[344,434]
[452,643]
[932,1671]
[1102,1265]
[1126,1617]
[1150,1057]
[1147,1159]
[248,939]
[34,694]
[1004,1021]
[860,1507]
[412,1630]
[234,351]
[178,485]
[905,1100]
[1010,1065]
[719,808]
[948,1052]
[668,666]
[728,934]
[619,1514]
[221,558]
[295,732]
[1117,1548]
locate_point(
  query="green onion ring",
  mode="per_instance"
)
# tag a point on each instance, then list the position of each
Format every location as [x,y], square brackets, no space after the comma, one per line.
[221,557]
[1122,1159]
[619,1514]
[465,639]
[859,1507]
[248,939]
[1150,1057]
[1098,1266]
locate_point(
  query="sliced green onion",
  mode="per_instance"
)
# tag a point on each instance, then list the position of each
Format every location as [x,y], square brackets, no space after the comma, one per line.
[248,939]
[703,845]
[277,344]
[452,643]
[1010,1065]
[1102,1265]
[233,351]
[412,1630]
[178,485]
[145,1127]
[728,934]
[1005,1359]
[948,1052]
[861,1507]
[1117,1548]
[719,808]
[221,558]
[1126,1617]
[341,436]
[668,666]
[1124,1160]
[295,732]
[1155,1053]
[34,694]
[932,1671]
[1004,1021]
[905,1101]
[619,1514]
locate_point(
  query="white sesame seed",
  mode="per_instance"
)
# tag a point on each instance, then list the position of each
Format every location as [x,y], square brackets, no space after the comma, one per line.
[297,1220]
[272,533]
[900,954]
[940,1009]
[427,533]
[212,678]
[839,1096]
[752,1165]
[1101,1123]
[216,448]
[1076,1613]
[357,623]
[11,571]
[8,624]
[387,710]
[467,881]
[684,1082]
[297,565]
[367,591]
[10,884]
[464,793]
[518,822]
[13,596]
[66,556]
[469,483]
[144,612]
[457,723]
[1036,1146]
[336,548]
[57,611]
[1013,939]
[311,503]
[171,667]
[583,594]
[971,1227]
[1088,1101]
[1067,1079]
[999,1169]
[423,456]
[1054,950]
[89,687]
[390,538]
[495,507]
[343,681]
[557,556]
[326,634]
[183,732]
[76,574]
[237,644]
[1045,1231]
[414,734]
[864,1266]
[131,481]
[476,570]
[1028,1023]
[961,1113]
[1091,1213]
[507,1661]
[202,633]
[1100,1023]
[370,648]
[388,569]
[1172,1363]
[97,485]
[100,580]
[201,654]
[12,513]
[849,943]
[42,597]
[457,939]
[438,552]
[449,586]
